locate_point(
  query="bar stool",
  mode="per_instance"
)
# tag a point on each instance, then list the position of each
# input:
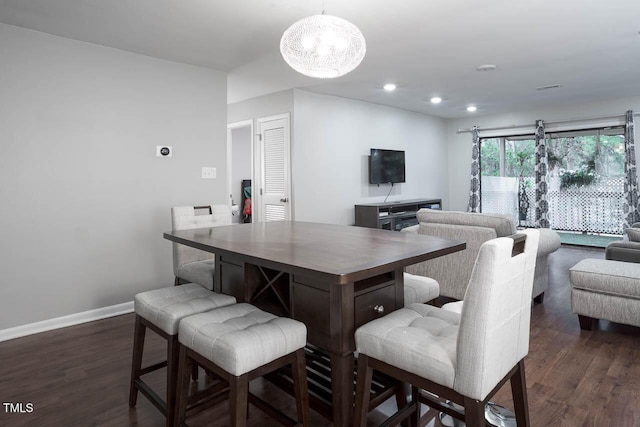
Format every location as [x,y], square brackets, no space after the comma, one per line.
[240,343]
[161,311]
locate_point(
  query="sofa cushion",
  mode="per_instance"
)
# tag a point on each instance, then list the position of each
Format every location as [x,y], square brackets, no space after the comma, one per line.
[502,224]
[607,277]
[623,250]
[634,234]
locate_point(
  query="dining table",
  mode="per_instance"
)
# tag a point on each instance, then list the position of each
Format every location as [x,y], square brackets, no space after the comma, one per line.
[333,278]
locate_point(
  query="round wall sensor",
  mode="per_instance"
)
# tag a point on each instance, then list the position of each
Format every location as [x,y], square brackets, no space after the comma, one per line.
[164,151]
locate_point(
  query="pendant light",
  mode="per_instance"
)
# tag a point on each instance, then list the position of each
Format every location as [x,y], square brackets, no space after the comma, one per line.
[323,46]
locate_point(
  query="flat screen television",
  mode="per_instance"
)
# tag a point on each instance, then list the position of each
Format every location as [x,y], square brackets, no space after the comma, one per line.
[386,166]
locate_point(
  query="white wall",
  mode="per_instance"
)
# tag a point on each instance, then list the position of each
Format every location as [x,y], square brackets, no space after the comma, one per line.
[254,109]
[333,138]
[84,199]
[262,106]
[460,144]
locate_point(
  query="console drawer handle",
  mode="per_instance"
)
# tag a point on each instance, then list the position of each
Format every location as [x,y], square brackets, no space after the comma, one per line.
[379,309]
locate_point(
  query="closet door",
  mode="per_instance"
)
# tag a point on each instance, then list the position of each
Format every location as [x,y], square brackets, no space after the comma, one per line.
[275,186]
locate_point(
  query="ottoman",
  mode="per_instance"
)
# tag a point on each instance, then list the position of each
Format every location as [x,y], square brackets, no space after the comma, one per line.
[605,289]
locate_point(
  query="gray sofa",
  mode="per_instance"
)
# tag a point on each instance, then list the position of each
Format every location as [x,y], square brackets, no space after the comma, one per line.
[453,271]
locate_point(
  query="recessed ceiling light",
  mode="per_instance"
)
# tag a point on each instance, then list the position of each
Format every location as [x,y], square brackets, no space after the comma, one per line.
[486,67]
[389,87]
[436,100]
[471,108]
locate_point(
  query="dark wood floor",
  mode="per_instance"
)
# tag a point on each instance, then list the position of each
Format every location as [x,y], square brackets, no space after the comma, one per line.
[78,376]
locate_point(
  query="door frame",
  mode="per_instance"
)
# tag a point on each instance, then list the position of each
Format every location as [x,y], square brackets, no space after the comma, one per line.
[230,128]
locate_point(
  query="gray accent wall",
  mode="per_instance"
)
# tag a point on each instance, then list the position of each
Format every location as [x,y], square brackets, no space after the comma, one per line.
[84,199]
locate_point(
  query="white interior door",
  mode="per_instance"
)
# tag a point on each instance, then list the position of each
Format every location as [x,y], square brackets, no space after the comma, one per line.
[275,189]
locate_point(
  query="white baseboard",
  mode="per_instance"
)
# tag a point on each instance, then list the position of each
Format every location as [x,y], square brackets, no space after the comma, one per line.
[64,321]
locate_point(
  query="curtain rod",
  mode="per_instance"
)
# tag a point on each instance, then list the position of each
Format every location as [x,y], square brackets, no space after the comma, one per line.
[545,122]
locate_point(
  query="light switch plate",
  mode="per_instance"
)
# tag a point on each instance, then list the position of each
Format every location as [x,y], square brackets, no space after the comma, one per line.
[208,173]
[164,151]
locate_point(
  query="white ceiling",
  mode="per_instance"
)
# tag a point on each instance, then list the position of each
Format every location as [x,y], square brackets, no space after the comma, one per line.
[590,47]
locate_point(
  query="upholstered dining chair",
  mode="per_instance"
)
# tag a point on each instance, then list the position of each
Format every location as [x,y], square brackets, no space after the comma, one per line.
[192,265]
[419,289]
[463,358]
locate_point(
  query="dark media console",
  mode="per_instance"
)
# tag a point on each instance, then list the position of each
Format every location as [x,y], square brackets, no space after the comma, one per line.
[393,215]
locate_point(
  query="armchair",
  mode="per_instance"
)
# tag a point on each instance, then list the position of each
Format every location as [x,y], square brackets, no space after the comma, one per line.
[625,250]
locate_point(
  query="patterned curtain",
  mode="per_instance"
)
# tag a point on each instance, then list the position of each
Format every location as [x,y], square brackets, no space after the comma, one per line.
[542,207]
[474,192]
[631,214]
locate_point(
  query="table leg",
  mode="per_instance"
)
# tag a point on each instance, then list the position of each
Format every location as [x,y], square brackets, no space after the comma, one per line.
[342,389]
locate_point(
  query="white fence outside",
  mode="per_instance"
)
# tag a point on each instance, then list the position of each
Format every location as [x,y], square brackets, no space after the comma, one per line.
[595,208]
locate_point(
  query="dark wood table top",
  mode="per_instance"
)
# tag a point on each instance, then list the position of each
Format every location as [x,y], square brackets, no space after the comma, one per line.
[339,253]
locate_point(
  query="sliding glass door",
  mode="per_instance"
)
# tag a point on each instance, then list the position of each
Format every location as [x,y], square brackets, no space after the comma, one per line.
[508,180]
[586,185]
[585,179]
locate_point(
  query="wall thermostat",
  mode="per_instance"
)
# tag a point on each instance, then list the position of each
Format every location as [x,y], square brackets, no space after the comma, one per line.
[164,151]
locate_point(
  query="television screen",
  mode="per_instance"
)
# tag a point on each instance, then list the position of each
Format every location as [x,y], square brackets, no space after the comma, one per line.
[386,166]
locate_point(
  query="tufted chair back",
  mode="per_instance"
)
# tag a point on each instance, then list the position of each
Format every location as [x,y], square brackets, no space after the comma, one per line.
[185,218]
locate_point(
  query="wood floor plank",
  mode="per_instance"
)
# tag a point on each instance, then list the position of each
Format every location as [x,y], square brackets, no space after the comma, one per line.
[79,376]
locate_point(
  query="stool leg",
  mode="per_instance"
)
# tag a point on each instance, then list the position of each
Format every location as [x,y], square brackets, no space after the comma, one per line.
[136,362]
[182,386]
[363,391]
[519,392]
[414,418]
[194,372]
[238,400]
[299,370]
[473,413]
[401,399]
[173,348]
